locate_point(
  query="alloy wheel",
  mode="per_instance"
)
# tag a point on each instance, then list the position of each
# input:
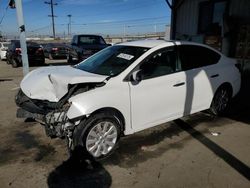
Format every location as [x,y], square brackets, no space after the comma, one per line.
[221,100]
[101,138]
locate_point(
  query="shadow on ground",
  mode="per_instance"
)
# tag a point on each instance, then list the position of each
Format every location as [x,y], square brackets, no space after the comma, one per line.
[152,143]
[240,106]
[25,146]
[79,173]
[230,159]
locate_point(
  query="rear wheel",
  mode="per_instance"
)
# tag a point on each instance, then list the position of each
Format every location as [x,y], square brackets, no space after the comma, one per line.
[8,61]
[14,63]
[69,59]
[50,56]
[221,101]
[98,136]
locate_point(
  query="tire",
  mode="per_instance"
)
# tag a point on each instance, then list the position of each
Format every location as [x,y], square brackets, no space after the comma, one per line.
[42,63]
[97,137]
[50,56]
[14,63]
[221,100]
[69,59]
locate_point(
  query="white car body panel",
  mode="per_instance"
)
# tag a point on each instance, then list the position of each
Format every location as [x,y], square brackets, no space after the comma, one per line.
[154,101]
[143,105]
[3,54]
[113,95]
[3,50]
[51,83]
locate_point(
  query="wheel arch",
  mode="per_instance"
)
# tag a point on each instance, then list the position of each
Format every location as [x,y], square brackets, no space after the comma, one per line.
[213,106]
[226,85]
[119,115]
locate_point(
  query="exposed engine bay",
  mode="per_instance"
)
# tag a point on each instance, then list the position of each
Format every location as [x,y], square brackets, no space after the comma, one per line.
[53,115]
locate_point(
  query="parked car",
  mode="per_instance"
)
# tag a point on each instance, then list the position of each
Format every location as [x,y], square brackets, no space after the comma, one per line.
[127,88]
[34,51]
[55,51]
[3,50]
[83,46]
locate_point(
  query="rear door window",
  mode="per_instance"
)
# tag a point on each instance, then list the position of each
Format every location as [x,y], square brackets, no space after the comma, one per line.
[192,56]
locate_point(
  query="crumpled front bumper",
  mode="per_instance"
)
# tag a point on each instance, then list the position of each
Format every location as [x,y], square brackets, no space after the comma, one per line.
[29,108]
[21,113]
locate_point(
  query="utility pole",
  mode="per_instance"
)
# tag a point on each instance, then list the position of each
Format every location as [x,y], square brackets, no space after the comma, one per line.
[52,15]
[69,25]
[124,31]
[20,20]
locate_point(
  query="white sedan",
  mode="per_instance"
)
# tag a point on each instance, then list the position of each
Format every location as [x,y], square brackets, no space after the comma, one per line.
[3,50]
[127,88]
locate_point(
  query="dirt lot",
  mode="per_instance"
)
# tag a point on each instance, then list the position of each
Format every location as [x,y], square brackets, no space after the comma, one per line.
[183,153]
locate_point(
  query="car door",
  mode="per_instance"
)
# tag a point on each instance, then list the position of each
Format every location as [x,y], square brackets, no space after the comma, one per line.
[160,95]
[202,77]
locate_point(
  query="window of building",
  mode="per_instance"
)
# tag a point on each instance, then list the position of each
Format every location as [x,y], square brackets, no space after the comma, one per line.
[211,16]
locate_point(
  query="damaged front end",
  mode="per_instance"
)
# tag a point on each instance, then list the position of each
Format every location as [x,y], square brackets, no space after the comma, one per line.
[53,115]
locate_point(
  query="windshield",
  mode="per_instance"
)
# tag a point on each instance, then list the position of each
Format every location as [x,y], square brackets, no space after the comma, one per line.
[112,60]
[90,40]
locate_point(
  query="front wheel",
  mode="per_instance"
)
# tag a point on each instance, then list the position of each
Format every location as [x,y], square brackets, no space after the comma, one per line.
[98,136]
[220,101]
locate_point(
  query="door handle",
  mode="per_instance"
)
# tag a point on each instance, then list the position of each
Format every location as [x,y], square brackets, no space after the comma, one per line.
[214,76]
[179,84]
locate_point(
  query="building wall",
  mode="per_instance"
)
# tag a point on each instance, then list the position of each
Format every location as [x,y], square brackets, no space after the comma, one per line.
[187,18]
[240,10]
[187,15]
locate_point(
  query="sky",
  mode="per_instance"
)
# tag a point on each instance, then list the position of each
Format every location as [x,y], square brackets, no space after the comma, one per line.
[106,17]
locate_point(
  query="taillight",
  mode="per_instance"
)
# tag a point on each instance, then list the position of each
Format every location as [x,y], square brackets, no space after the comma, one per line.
[39,50]
[18,50]
[54,49]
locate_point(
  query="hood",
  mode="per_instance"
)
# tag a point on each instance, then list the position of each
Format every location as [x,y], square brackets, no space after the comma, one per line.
[51,83]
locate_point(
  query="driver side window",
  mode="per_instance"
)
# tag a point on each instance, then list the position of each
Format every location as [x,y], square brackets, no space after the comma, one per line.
[162,62]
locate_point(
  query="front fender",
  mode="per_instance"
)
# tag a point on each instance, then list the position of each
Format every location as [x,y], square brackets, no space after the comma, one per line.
[77,110]
[114,96]
[86,103]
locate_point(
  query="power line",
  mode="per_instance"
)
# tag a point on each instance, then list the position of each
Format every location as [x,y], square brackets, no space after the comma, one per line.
[4,14]
[120,22]
[40,28]
[123,21]
[138,6]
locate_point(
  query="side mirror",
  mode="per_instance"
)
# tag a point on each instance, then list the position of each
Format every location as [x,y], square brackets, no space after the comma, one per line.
[136,76]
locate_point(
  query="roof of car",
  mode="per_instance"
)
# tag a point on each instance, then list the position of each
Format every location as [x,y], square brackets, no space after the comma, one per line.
[88,35]
[150,43]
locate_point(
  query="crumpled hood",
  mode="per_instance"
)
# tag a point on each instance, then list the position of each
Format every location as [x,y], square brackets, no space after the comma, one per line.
[51,83]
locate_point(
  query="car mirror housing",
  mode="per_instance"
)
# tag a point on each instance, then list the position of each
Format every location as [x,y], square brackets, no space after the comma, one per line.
[136,76]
